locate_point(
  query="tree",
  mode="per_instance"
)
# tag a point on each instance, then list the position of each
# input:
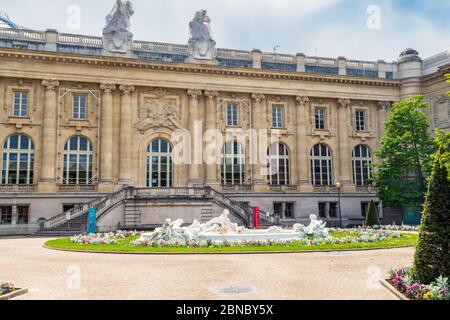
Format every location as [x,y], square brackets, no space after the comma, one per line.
[432,257]
[404,159]
[443,142]
[372,218]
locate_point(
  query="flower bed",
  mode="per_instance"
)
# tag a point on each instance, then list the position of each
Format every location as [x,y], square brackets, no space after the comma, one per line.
[6,288]
[405,282]
[103,238]
[353,236]
[393,227]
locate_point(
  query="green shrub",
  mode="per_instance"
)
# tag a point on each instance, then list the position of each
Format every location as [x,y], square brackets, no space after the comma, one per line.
[372,216]
[432,257]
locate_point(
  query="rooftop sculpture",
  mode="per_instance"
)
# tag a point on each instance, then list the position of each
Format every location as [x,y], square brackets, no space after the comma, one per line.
[202,45]
[116,35]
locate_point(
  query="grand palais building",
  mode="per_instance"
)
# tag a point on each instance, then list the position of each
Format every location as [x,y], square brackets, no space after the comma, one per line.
[145,131]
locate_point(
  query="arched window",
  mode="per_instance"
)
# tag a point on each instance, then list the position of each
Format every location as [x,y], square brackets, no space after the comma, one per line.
[77,161]
[18,160]
[159,164]
[321,166]
[361,159]
[278,164]
[233,164]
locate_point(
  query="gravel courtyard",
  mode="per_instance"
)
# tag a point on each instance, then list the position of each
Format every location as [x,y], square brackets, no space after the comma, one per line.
[52,274]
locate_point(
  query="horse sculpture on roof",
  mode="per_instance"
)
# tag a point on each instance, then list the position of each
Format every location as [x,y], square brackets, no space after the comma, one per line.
[202,45]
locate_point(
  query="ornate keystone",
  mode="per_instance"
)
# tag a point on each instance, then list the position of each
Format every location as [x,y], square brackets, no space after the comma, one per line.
[344,102]
[194,93]
[302,100]
[108,88]
[126,90]
[50,85]
[258,97]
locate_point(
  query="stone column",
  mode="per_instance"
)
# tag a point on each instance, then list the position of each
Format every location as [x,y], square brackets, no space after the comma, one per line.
[106,139]
[259,147]
[303,180]
[125,136]
[47,182]
[194,166]
[210,127]
[344,150]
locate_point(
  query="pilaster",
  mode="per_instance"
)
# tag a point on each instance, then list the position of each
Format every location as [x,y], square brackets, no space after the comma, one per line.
[195,153]
[125,135]
[106,139]
[211,178]
[47,181]
[303,181]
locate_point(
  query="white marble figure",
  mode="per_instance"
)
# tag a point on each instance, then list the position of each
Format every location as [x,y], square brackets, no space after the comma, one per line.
[202,45]
[317,228]
[116,35]
[221,229]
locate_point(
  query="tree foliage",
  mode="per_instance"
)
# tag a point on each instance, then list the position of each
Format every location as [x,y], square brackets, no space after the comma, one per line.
[404,159]
[372,218]
[443,143]
[432,257]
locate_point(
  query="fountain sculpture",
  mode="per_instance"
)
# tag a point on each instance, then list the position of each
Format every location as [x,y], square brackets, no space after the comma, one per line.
[221,229]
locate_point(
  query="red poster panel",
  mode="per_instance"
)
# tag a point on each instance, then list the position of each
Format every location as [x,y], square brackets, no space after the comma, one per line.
[256,218]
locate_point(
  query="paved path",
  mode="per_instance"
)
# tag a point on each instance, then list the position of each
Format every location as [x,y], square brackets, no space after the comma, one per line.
[54,275]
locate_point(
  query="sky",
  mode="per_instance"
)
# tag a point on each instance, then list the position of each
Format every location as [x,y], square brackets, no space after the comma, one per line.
[356,29]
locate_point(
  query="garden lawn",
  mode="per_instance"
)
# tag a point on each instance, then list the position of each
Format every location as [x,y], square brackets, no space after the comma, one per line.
[123,246]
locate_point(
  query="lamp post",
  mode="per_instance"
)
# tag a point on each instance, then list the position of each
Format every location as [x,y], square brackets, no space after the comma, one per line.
[339,186]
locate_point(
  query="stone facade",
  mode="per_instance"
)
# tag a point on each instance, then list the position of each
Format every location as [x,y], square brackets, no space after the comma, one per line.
[131,102]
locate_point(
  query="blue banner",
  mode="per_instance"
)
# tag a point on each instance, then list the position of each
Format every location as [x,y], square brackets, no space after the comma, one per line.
[92,221]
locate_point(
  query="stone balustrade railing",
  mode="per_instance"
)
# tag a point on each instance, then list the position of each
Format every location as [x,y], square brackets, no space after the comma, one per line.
[50,40]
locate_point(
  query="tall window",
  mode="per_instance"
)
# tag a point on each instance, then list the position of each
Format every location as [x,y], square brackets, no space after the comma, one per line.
[233,164]
[321,166]
[361,159]
[79,107]
[320,114]
[277,117]
[20,104]
[360,120]
[5,215]
[232,114]
[278,164]
[77,161]
[159,164]
[18,160]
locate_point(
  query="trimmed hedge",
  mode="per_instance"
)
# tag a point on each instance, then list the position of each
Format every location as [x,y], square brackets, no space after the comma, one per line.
[372,218]
[432,257]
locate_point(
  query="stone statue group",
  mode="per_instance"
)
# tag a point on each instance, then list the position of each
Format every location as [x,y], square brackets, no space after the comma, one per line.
[117,37]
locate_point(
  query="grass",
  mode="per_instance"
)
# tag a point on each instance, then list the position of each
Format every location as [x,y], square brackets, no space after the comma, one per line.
[123,246]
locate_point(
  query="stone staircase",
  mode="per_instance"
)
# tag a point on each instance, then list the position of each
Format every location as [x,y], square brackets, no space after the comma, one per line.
[132,216]
[207,214]
[74,221]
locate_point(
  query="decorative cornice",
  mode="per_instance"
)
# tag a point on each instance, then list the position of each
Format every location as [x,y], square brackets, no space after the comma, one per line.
[258,97]
[194,93]
[211,94]
[117,62]
[344,102]
[108,88]
[126,90]
[302,101]
[50,85]
[384,105]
